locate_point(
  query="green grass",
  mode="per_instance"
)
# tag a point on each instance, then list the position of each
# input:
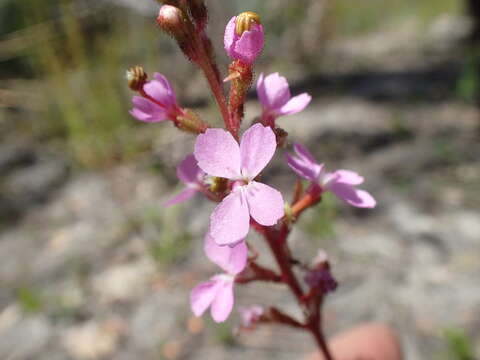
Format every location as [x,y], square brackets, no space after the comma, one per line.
[172,239]
[365,16]
[468,86]
[30,299]
[78,62]
[459,345]
[321,223]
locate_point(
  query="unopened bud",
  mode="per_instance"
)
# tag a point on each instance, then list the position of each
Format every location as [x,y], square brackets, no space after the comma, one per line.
[245,21]
[172,20]
[244,37]
[136,78]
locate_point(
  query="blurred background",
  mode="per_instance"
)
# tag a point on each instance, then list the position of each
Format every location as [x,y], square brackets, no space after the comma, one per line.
[92,266]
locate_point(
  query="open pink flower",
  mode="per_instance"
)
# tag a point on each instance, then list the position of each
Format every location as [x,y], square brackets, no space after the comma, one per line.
[191,175]
[158,103]
[219,154]
[217,293]
[274,95]
[341,182]
[245,47]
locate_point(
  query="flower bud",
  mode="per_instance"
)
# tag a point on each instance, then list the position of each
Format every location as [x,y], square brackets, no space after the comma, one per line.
[244,37]
[172,20]
[245,22]
[250,316]
[175,22]
[320,277]
[136,78]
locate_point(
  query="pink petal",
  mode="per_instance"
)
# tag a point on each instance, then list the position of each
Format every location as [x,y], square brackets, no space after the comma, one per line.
[147,111]
[202,296]
[249,45]
[303,153]
[351,195]
[304,164]
[261,91]
[188,170]
[230,36]
[295,104]
[257,148]
[166,84]
[231,259]
[183,196]
[222,304]
[348,177]
[218,154]
[230,221]
[160,90]
[265,203]
[276,91]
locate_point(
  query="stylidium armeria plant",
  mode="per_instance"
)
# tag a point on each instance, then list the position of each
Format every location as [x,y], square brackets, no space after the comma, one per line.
[226,166]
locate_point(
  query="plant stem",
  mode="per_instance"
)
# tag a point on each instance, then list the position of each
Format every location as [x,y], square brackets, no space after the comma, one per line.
[277,241]
[210,71]
[320,339]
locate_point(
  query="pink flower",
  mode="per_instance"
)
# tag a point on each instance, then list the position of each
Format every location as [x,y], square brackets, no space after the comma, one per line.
[274,95]
[217,293]
[232,259]
[191,175]
[341,182]
[219,154]
[250,315]
[158,102]
[245,47]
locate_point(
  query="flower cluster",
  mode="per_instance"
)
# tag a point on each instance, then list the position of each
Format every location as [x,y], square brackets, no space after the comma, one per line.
[226,167]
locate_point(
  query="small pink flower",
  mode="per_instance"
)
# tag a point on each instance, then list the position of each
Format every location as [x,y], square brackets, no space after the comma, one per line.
[158,102]
[250,316]
[219,154]
[274,95]
[341,182]
[245,47]
[217,293]
[191,175]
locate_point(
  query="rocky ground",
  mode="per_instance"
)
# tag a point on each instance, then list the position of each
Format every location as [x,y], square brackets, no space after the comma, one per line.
[93,267]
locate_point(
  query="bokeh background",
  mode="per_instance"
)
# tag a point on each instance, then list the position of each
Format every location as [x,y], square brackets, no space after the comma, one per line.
[92,266]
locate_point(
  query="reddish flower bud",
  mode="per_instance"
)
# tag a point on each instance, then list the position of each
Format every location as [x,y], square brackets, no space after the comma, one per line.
[172,20]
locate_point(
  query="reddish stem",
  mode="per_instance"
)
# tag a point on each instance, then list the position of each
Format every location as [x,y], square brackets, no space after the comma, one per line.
[277,241]
[210,71]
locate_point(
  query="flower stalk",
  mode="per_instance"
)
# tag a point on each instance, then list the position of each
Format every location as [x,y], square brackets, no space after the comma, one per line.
[225,168]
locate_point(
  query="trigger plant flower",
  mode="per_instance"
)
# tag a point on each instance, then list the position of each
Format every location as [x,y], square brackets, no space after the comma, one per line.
[218,154]
[274,95]
[158,101]
[217,293]
[244,37]
[192,176]
[342,183]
